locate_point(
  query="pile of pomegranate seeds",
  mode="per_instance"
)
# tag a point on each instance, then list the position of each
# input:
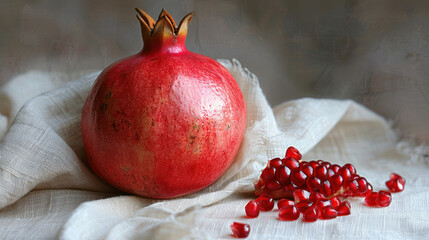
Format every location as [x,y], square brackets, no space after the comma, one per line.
[315,189]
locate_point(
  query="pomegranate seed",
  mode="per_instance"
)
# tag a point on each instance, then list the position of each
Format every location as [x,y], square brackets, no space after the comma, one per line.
[268,174]
[265,202]
[351,168]
[285,202]
[252,209]
[353,186]
[283,174]
[313,183]
[368,190]
[362,184]
[316,196]
[397,176]
[321,172]
[335,168]
[307,170]
[325,188]
[336,182]
[240,230]
[311,214]
[290,187]
[298,177]
[303,205]
[335,201]
[384,198]
[275,163]
[326,164]
[289,213]
[395,185]
[293,153]
[345,173]
[328,212]
[291,163]
[273,185]
[313,164]
[344,208]
[300,195]
[331,173]
[323,203]
[371,199]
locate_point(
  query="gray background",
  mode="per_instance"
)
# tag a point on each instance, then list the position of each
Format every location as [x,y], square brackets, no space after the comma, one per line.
[375,52]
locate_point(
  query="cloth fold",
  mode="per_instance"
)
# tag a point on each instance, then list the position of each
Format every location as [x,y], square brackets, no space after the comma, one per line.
[46,183]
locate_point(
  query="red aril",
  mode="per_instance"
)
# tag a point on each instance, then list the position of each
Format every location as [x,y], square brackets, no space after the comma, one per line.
[164,122]
[311,214]
[304,204]
[265,202]
[275,163]
[344,208]
[328,212]
[252,209]
[285,202]
[293,153]
[396,183]
[240,230]
[384,198]
[371,199]
[289,213]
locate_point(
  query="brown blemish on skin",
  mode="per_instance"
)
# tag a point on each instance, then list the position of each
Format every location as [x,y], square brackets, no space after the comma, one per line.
[103,107]
[108,94]
[114,127]
[191,141]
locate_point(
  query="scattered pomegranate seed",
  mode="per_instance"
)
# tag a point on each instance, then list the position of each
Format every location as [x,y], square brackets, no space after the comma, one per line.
[285,202]
[371,199]
[289,213]
[328,212]
[252,209]
[344,208]
[335,201]
[396,183]
[303,205]
[265,202]
[323,203]
[240,230]
[293,153]
[311,214]
[384,198]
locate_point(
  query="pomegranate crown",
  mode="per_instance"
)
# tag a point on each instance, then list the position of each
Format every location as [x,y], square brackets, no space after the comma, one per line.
[165,25]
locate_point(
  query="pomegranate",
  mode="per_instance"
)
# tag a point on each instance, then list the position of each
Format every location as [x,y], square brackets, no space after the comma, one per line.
[164,122]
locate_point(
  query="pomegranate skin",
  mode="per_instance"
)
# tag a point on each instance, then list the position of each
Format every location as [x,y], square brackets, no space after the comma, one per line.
[163,123]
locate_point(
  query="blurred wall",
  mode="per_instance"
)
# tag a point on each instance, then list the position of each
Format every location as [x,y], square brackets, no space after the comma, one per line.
[375,52]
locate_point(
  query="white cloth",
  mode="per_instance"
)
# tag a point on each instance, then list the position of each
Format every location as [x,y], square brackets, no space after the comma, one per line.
[47,190]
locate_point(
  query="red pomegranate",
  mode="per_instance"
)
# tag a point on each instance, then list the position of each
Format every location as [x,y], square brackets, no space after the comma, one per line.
[165,122]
